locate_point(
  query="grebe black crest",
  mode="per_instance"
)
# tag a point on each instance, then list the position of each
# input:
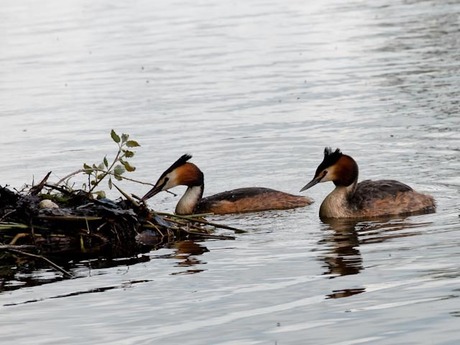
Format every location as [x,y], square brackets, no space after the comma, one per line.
[330,157]
[181,161]
[366,199]
[251,199]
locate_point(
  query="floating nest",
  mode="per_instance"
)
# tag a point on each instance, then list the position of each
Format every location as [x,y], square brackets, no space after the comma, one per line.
[53,225]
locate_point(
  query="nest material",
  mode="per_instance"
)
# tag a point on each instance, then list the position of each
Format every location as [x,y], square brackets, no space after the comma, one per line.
[54,225]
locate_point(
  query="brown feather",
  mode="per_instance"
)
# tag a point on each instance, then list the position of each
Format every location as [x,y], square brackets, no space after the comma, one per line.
[250,199]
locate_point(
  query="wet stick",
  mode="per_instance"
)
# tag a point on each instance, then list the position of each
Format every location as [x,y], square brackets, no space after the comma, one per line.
[51,263]
[193,219]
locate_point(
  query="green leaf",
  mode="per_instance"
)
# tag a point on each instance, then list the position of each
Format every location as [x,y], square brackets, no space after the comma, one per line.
[100,194]
[110,183]
[118,177]
[124,138]
[106,162]
[101,166]
[118,170]
[128,166]
[115,136]
[132,143]
[87,169]
[128,153]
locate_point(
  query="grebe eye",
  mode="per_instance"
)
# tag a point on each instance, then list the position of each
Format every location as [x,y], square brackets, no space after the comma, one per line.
[166,179]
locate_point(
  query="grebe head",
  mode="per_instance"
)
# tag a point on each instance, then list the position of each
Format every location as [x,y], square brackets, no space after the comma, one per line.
[336,167]
[180,173]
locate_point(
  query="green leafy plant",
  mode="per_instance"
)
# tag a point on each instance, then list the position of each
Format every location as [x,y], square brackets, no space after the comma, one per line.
[116,168]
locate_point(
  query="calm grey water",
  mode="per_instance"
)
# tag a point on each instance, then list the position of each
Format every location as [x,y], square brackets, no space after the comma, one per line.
[255,90]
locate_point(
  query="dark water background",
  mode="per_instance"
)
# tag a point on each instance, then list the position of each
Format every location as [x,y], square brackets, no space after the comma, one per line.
[255,90]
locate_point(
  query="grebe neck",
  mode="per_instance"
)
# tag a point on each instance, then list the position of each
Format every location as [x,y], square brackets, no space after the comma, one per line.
[188,202]
[336,204]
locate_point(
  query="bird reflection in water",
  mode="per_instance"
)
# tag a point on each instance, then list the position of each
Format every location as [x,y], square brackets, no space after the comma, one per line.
[343,238]
[345,293]
[342,257]
[186,252]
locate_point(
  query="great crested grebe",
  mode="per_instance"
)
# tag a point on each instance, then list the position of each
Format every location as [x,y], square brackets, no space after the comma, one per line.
[240,200]
[366,199]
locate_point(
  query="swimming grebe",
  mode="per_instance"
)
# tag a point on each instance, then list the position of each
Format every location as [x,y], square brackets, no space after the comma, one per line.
[351,199]
[240,200]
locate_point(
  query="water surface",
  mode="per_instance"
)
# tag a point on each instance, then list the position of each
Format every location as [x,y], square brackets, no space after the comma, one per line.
[255,90]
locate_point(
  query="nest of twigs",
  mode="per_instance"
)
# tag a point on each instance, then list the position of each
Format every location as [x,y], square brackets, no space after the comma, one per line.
[54,225]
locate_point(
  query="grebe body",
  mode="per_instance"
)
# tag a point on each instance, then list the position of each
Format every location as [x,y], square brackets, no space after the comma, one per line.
[251,199]
[366,199]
